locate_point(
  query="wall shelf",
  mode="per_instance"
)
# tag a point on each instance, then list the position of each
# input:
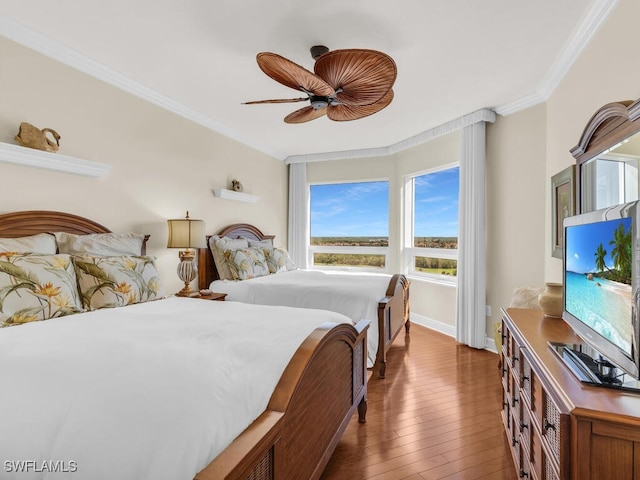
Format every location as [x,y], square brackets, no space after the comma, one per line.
[51,161]
[237,196]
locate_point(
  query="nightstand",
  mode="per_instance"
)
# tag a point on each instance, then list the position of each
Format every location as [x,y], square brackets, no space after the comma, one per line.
[213,296]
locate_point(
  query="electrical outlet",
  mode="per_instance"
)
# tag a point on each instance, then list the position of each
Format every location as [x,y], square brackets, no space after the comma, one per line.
[487,310]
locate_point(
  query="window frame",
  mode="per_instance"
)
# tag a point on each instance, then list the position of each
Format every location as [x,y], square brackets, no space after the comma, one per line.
[410,252]
[313,249]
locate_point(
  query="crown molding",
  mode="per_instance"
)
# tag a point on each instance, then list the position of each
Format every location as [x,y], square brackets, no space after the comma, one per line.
[596,15]
[484,115]
[29,38]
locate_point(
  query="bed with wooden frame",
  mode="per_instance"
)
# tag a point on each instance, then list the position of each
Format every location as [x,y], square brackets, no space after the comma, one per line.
[320,389]
[392,309]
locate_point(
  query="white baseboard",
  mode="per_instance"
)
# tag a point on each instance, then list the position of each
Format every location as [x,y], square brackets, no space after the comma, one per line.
[446,329]
[490,344]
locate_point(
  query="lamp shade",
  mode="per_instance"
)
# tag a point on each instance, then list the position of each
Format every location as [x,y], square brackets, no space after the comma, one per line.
[186,233]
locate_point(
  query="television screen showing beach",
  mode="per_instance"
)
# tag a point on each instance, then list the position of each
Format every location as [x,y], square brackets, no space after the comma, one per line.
[598,278]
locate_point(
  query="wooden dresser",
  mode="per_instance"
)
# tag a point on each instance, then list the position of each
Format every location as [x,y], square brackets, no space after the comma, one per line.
[559,428]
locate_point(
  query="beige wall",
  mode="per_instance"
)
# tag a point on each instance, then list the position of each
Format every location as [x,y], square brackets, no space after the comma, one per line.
[431,303]
[162,164]
[515,186]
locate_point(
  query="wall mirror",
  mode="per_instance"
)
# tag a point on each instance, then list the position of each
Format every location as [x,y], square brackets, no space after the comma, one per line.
[608,157]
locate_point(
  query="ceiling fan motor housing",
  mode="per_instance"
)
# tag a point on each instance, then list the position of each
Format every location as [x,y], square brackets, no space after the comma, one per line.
[318,50]
[318,102]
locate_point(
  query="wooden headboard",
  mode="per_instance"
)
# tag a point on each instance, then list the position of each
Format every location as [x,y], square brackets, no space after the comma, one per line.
[32,222]
[207,271]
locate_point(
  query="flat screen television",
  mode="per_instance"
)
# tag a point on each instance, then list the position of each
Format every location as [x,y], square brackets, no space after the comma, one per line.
[601,267]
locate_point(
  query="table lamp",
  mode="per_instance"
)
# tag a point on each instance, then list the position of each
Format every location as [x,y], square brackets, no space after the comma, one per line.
[188,234]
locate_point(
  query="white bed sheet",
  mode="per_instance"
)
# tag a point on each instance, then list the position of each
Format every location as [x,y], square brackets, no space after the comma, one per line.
[355,295]
[154,390]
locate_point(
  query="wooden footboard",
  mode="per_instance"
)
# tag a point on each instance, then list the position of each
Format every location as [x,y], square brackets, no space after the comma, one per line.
[393,313]
[309,410]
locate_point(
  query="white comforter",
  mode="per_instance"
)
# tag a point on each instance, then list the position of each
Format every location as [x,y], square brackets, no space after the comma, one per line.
[355,295]
[154,390]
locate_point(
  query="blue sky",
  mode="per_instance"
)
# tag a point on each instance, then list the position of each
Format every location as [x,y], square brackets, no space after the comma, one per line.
[583,240]
[362,209]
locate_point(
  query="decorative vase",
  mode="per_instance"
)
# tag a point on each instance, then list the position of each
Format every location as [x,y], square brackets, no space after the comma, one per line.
[550,300]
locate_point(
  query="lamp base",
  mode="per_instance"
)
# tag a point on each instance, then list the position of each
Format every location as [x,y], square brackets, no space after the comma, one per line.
[187,271]
[185,292]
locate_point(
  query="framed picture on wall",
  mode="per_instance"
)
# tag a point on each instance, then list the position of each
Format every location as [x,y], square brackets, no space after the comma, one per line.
[563,193]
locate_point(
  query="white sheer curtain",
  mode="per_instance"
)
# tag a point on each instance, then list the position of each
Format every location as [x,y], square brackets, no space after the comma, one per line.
[471,299]
[298,214]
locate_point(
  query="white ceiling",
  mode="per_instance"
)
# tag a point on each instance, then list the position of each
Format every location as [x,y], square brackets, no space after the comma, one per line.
[197,57]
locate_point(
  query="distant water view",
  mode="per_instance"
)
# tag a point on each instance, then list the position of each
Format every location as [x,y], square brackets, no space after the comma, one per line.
[602,304]
[426,242]
[438,266]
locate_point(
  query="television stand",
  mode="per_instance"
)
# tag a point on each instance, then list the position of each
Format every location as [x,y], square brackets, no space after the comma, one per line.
[592,368]
[558,427]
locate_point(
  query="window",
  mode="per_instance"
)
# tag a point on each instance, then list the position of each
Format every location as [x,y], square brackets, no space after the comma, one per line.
[350,225]
[432,220]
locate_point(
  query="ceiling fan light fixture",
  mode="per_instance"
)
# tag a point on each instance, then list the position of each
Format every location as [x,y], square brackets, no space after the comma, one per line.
[318,102]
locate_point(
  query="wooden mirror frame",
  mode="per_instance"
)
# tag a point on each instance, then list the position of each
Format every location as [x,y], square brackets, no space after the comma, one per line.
[610,125]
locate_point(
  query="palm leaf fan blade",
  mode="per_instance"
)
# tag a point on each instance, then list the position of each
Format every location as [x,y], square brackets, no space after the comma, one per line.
[292,75]
[277,100]
[305,114]
[360,77]
[343,113]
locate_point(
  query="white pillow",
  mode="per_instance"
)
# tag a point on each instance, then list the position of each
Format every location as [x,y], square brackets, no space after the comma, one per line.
[218,245]
[267,243]
[41,243]
[100,244]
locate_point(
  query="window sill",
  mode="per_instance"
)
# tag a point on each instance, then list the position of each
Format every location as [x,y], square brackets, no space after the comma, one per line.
[438,281]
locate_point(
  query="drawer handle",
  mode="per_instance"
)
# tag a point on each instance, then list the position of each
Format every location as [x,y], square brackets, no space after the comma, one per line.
[514,400]
[549,426]
[523,426]
[524,378]
[504,370]
[505,404]
[523,474]
[514,358]
[503,336]
[514,441]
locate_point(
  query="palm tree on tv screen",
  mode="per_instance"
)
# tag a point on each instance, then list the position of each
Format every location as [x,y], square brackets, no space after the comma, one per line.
[621,253]
[600,254]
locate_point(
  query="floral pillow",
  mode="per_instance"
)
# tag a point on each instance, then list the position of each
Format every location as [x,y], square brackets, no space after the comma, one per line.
[218,246]
[246,263]
[107,282]
[36,287]
[278,260]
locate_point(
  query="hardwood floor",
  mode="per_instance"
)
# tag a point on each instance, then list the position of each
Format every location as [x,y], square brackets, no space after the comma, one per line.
[436,415]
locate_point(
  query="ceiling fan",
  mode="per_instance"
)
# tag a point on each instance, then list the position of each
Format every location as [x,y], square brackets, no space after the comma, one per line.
[347,84]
